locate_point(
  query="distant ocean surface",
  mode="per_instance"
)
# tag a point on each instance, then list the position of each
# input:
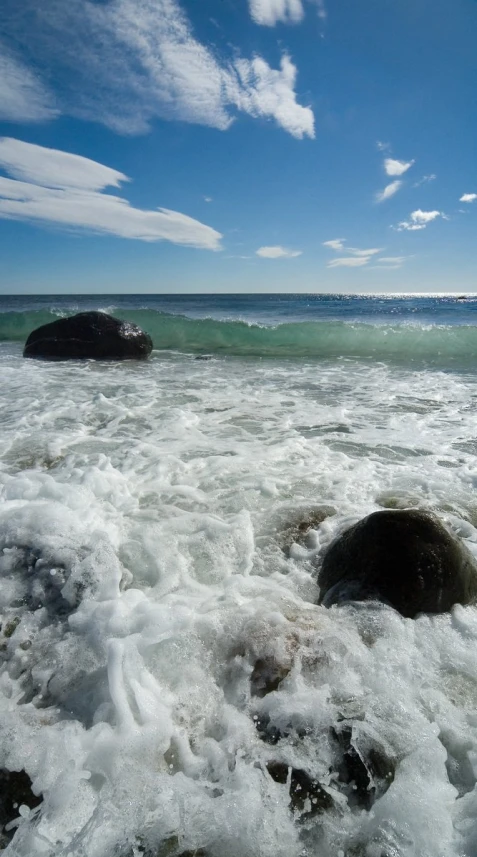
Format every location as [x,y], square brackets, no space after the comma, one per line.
[154,582]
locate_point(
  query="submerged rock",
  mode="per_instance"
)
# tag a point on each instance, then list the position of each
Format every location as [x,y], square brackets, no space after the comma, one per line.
[267,676]
[15,791]
[367,768]
[406,558]
[307,796]
[299,527]
[88,335]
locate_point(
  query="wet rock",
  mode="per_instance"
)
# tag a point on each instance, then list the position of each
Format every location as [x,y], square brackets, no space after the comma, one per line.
[366,769]
[15,791]
[10,627]
[267,676]
[88,335]
[307,796]
[297,530]
[406,558]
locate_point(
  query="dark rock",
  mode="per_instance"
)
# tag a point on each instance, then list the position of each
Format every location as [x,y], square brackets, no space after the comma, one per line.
[267,676]
[365,768]
[303,788]
[406,558]
[15,790]
[88,335]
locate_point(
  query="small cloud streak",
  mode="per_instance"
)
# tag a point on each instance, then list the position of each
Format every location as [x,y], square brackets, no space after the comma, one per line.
[383,147]
[419,220]
[425,180]
[55,187]
[356,257]
[355,252]
[389,263]
[208,199]
[349,262]
[339,245]
[335,244]
[277,252]
[268,13]
[389,191]
[468,197]
[396,168]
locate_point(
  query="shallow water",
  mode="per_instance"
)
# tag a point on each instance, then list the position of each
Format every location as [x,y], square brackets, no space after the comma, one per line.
[151,557]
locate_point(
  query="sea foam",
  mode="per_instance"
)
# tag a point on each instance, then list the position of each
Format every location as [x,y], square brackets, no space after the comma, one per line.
[144,519]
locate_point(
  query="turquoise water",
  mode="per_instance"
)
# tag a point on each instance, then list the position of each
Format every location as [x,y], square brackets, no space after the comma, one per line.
[436,330]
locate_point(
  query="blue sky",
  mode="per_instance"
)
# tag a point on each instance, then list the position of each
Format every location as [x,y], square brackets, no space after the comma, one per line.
[238,145]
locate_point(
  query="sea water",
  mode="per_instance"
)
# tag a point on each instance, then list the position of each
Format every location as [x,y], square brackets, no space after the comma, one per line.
[151,557]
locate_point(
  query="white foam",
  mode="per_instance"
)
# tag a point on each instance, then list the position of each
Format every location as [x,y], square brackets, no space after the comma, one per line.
[144,511]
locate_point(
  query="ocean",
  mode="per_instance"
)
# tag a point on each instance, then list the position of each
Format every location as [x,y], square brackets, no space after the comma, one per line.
[162,650]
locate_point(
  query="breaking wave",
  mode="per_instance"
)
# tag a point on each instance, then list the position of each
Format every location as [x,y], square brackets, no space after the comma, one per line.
[317,339]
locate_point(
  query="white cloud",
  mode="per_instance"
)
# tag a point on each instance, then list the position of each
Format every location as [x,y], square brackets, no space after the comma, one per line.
[355,252]
[383,147]
[277,253]
[349,262]
[267,13]
[468,197]
[388,191]
[338,244]
[270,12]
[425,180]
[53,168]
[419,220]
[72,196]
[262,91]
[396,168]
[22,97]
[208,199]
[123,63]
[389,263]
[335,243]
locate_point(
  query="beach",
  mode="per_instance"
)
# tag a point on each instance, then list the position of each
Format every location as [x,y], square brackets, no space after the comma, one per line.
[152,557]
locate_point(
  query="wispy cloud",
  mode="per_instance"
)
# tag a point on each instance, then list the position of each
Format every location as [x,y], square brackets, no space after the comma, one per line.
[389,263]
[322,13]
[383,147]
[419,220]
[123,63]
[277,252]
[55,187]
[349,262]
[339,245]
[208,199]
[355,252]
[468,197]
[335,244]
[356,257]
[23,98]
[268,13]
[388,191]
[396,168]
[425,180]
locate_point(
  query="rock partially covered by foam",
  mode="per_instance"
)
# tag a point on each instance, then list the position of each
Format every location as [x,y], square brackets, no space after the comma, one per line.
[406,558]
[88,335]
